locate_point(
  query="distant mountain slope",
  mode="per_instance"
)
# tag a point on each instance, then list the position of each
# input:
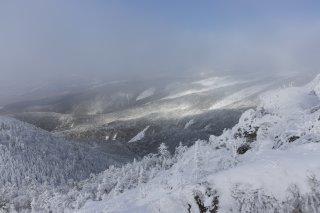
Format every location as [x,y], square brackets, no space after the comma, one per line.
[103,110]
[34,150]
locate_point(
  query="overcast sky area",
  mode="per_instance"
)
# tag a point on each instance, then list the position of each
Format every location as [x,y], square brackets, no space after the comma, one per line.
[50,40]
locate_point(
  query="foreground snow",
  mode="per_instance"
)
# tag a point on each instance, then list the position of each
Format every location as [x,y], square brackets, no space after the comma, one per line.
[269,173]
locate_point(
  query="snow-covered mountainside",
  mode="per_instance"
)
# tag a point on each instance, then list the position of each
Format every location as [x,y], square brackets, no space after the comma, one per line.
[30,156]
[177,113]
[268,162]
[123,109]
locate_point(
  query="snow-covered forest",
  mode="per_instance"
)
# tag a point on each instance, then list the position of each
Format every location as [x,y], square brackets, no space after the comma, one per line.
[268,162]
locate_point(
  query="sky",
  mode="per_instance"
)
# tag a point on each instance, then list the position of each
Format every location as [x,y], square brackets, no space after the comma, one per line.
[54,40]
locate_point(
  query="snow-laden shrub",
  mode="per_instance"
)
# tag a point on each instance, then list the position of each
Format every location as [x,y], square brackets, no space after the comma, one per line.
[109,183]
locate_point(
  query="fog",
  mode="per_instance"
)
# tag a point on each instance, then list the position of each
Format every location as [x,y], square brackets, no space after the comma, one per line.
[51,41]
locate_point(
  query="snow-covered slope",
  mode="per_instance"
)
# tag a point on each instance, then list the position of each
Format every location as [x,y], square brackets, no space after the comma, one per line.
[30,157]
[268,162]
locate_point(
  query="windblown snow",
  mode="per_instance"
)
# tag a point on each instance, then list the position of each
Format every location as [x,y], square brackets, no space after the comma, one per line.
[145,94]
[268,162]
[206,85]
[238,96]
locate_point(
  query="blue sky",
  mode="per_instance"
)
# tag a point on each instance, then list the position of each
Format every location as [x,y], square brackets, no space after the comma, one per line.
[222,14]
[53,39]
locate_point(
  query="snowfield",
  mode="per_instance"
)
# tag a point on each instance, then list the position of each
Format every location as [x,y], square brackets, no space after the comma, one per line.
[268,162]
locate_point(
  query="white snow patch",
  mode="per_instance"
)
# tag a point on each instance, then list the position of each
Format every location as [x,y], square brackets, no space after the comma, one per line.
[189,123]
[115,136]
[139,136]
[145,94]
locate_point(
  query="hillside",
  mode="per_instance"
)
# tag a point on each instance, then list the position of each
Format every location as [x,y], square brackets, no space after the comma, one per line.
[108,115]
[31,157]
[268,162]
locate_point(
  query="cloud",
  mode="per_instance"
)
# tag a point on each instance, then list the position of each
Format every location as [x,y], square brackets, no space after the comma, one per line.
[43,41]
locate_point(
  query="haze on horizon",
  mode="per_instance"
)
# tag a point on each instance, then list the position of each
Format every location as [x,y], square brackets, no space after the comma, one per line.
[50,41]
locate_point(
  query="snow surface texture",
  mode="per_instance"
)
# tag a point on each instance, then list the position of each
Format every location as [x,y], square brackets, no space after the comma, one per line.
[139,136]
[268,162]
